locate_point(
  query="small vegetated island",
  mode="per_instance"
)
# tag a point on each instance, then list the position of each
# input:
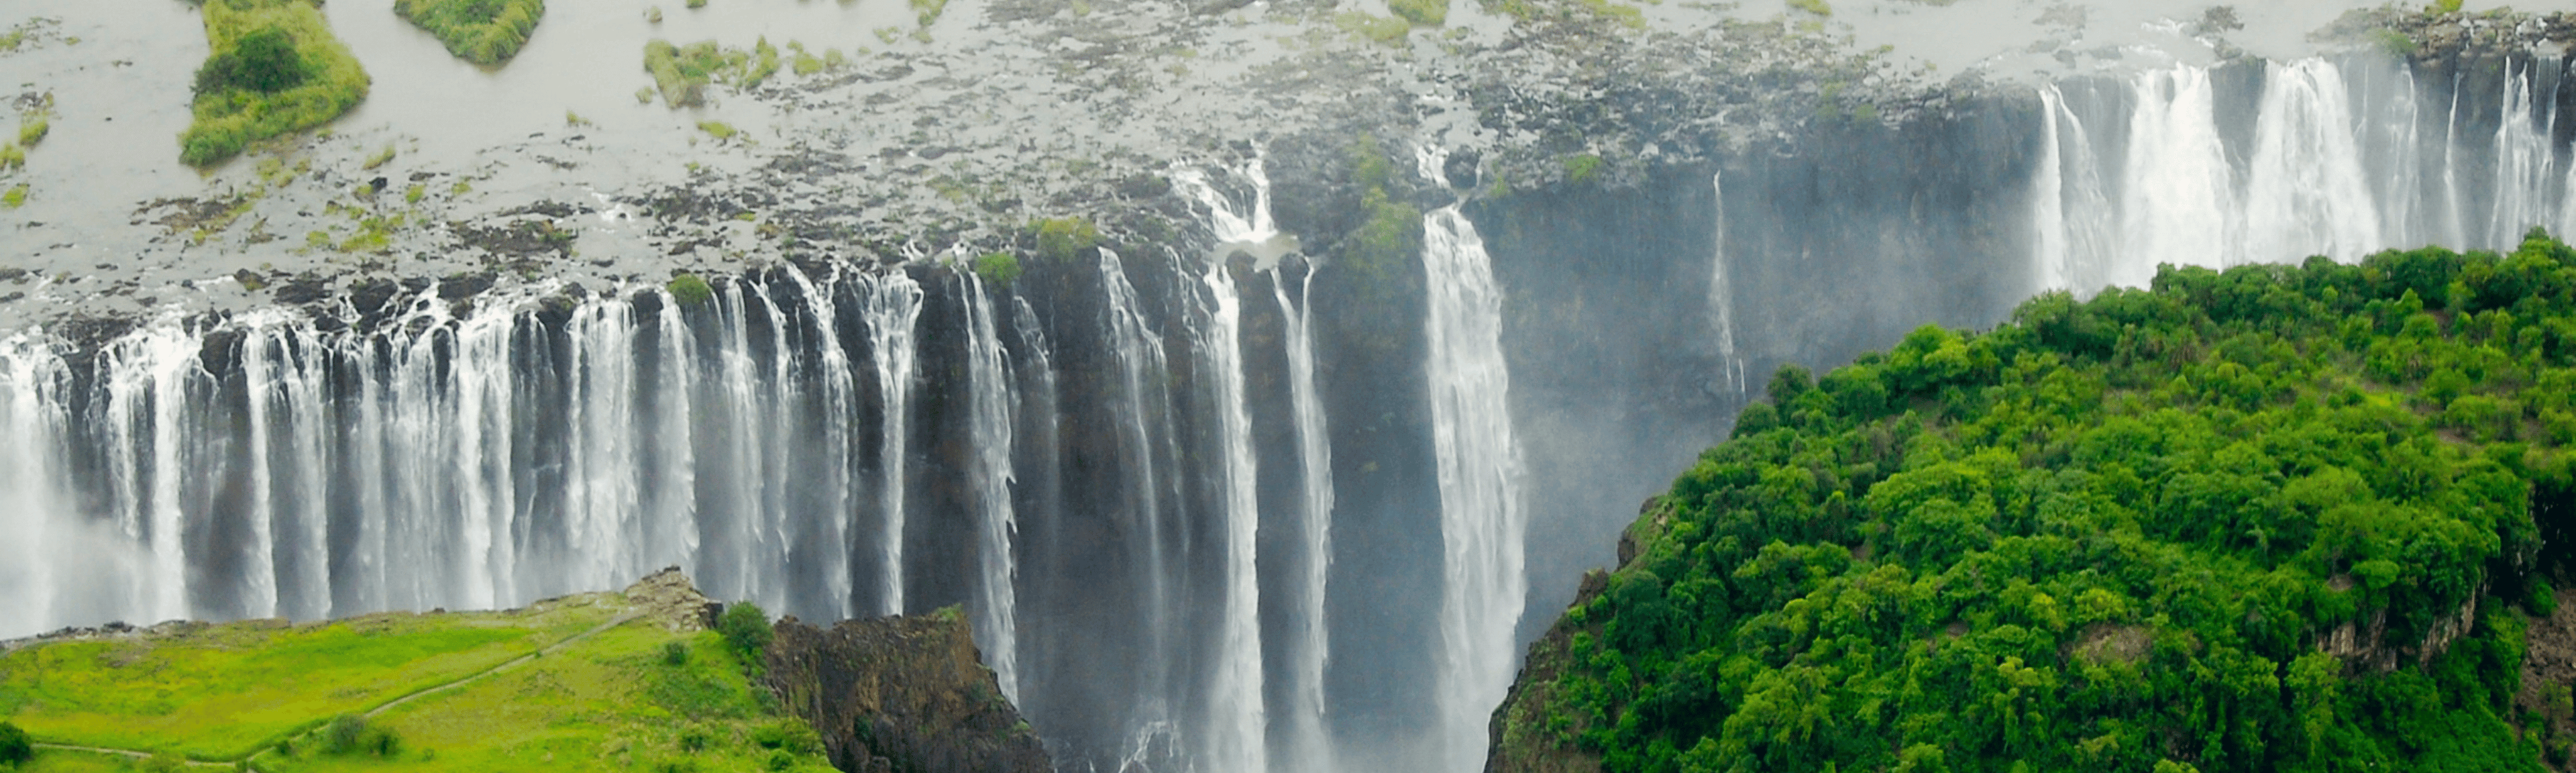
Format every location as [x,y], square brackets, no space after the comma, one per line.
[2268,519]
[275,68]
[481,31]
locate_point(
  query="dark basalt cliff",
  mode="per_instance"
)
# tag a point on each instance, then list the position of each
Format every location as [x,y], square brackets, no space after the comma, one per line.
[901,694]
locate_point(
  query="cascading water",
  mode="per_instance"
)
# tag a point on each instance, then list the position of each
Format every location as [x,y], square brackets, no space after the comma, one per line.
[2047,199]
[2522,156]
[148,380]
[2178,204]
[1721,293]
[31,413]
[2346,157]
[1141,367]
[1308,747]
[1238,726]
[2306,193]
[1481,523]
[2072,209]
[830,387]
[842,442]
[894,308]
[1238,719]
[473,461]
[991,398]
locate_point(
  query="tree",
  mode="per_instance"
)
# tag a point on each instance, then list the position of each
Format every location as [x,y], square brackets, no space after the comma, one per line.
[264,61]
[746,627]
[15,749]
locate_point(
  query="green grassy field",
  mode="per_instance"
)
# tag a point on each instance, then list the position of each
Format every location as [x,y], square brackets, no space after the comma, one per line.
[610,700]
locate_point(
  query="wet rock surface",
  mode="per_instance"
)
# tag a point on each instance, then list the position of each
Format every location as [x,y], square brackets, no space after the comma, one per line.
[901,694]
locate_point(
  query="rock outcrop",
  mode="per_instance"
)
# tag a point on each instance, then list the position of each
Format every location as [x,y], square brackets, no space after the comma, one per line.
[901,694]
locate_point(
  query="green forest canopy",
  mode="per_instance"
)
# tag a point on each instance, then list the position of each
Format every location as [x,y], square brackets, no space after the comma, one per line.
[2271,518]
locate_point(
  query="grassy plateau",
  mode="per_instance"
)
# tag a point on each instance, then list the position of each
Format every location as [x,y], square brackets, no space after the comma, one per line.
[579,683]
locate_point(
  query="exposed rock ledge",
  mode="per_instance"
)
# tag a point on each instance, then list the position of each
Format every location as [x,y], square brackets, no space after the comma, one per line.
[901,694]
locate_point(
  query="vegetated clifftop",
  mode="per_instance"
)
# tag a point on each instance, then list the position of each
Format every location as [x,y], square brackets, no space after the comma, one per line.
[597,681]
[2272,518]
[901,694]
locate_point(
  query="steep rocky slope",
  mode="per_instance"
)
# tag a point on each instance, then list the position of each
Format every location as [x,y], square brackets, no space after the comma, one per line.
[901,694]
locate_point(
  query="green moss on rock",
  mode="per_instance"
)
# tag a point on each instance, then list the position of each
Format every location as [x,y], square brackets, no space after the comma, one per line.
[690,291]
[998,268]
[1060,238]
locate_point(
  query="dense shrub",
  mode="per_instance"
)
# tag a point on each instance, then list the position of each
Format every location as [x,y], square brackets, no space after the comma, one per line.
[675,653]
[15,748]
[349,734]
[998,268]
[263,61]
[691,291]
[2115,535]
[745,627]
[1060,237]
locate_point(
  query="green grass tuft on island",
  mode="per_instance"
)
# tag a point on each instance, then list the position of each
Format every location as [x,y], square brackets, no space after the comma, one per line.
[2270,518]
[585,682]
[275,69]
[480,31]
[681,73]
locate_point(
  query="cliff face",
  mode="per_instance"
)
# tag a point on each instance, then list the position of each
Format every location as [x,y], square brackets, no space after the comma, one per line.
[901,694]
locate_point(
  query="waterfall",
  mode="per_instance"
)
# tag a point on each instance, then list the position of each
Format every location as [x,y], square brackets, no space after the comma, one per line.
[1040,489]
[2522,156]
[2072,218]
[1311,646]
[32,535]
[737,490]
[991,404]
[2307,193]
[2048,198]
[147,385]
[1238,721]
[1142,399]
[289,424]
[2179,203]
[894,307]
[831,497]
[603,494]
[673,467]
[2388,113]
[1482,526]
[2340,164]
[455,455]
[1721,293]
[2455,224]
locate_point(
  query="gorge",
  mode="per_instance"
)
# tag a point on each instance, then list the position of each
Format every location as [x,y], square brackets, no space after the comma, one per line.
[1277,450]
